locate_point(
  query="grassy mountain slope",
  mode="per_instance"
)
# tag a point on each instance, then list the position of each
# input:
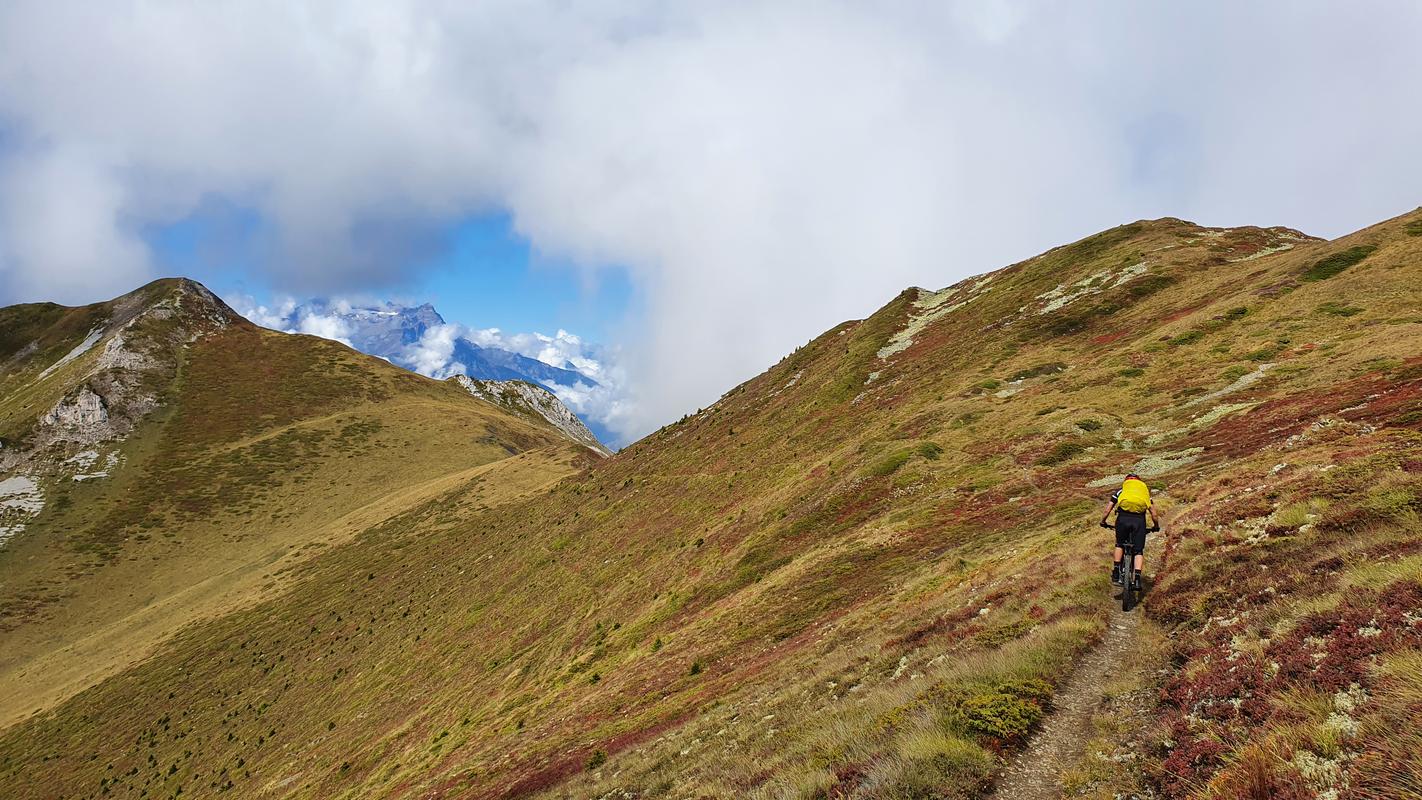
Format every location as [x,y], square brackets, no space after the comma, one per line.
[867,572]
[229,455]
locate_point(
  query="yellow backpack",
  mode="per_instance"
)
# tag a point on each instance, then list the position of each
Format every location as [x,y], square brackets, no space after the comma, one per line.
[1135,496]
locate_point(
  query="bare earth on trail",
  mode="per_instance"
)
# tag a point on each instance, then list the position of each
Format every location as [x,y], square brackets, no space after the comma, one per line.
[1036,773]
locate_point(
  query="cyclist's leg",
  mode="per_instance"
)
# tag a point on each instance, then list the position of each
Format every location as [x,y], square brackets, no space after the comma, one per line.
[1138,537]
[1122,536]
[1119,553]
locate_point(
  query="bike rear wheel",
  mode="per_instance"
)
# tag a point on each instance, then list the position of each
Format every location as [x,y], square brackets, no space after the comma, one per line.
[1128,580]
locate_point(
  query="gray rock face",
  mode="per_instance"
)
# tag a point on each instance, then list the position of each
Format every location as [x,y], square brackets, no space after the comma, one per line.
[85,409]
[528,398]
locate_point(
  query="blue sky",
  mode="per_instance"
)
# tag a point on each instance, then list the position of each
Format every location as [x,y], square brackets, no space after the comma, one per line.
[484,275]
[493,278]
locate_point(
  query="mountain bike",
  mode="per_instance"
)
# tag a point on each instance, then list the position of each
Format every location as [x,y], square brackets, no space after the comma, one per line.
[1131,587]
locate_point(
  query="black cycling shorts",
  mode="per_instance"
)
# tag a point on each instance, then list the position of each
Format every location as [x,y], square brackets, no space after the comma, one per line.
[1131,527]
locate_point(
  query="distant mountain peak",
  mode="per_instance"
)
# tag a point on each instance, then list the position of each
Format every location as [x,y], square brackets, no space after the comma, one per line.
[419,339]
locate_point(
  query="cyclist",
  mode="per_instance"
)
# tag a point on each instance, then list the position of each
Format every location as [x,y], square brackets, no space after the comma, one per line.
[1131,503]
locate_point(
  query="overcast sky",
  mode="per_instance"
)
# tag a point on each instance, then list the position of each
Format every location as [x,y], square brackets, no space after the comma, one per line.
[756,171]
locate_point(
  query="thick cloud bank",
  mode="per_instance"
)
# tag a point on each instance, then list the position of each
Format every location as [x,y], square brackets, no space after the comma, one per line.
[763,171]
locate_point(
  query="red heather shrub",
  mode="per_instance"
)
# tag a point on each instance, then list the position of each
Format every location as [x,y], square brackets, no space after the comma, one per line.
[1346,638]
[1224,690]
[1221,701]
[847,778]
[1190,762]
[954,626]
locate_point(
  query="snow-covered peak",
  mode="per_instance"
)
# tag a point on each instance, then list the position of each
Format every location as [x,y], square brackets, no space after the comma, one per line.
[583,375]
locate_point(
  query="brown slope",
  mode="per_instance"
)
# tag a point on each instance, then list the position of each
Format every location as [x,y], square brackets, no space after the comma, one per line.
[229,455]
[861,574]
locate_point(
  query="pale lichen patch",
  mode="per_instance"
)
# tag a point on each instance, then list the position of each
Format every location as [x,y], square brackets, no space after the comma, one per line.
[1241,383]
[1152,465]
[1064,294]
[1267,251]
[931,307]
[1199,422]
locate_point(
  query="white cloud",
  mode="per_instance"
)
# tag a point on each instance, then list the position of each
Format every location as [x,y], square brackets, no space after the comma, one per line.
[762,171]
[61,230]
[325,326]
[561,350]
[289,317]
[278,319]
[433,354]
[604,400]
[607,402]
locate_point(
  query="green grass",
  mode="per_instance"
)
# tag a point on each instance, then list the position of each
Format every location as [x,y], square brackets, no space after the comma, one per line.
[1050,368]
[1061,452]
[867,590]
[257,451]
[1334,264]
[889,464]
[1337,309]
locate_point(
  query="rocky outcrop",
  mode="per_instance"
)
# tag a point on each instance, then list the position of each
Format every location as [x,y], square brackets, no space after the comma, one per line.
[84,409]
[108,377]
[526,398]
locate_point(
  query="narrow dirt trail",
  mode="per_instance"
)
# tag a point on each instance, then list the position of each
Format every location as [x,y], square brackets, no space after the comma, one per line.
[1037,771]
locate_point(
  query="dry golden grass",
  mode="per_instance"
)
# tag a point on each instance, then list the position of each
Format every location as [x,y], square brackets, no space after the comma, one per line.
[823,584]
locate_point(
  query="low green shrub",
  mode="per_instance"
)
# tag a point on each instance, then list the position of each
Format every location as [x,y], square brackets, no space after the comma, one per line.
[1147,285]
[1337,309]
[1000,715]
[1235,372]
[889,464]
[1329,266]
[1064,451]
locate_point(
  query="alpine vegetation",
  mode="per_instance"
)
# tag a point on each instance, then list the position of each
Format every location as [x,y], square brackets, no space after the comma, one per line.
[875,570]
